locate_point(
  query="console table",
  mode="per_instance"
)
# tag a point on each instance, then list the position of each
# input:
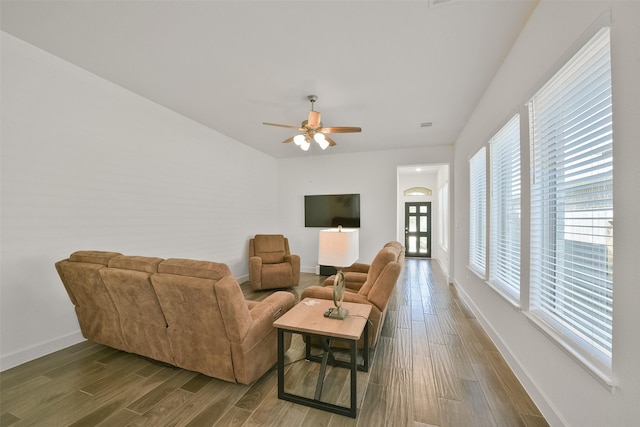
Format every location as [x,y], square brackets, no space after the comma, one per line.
[307,318]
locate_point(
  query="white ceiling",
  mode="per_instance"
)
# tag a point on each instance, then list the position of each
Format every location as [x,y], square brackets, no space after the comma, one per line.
[386,66]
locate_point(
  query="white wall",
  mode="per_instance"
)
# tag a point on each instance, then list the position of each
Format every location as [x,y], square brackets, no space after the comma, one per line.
[89,165]
[373,175]
[567,393]
[443,245]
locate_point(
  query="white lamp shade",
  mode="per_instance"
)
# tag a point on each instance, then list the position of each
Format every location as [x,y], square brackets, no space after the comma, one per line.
[298,139]
[305,146]
[338,248]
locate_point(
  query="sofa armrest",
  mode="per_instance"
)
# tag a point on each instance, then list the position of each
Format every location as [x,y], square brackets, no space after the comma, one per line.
[255,271]
[264,313]
[326,292]
[273,306]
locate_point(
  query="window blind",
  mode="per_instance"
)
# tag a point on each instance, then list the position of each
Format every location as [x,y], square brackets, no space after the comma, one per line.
[572,202]
[504,259]
[478,211]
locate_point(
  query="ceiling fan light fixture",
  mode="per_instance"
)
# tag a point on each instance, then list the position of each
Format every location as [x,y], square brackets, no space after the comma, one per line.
[313,129]
[321,140]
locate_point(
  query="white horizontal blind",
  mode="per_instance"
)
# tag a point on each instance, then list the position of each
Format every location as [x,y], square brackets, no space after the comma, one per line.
[572,202]
[504,261]
[478,211]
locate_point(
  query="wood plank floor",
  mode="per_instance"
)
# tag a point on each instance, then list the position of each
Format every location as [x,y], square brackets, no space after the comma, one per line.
[433,366]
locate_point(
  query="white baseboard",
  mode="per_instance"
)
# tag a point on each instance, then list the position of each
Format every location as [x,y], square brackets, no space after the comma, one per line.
[8,361]
[551,414]
[242,279]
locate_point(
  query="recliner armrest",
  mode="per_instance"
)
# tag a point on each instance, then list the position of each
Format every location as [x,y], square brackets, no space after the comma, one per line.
[294,260]
[357,267]
[326,292]
[265,312]
[353,281]
[255,267]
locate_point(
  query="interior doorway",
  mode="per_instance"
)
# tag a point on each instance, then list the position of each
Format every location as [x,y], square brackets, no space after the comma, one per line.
[417,232]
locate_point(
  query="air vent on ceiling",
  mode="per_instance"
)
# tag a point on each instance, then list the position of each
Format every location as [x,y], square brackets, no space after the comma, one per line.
[434,3]
[426,124]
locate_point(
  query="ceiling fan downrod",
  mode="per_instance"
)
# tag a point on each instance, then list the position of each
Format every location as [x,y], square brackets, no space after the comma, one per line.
[312,99]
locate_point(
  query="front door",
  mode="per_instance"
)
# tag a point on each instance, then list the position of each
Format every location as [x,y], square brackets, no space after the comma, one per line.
[417,229]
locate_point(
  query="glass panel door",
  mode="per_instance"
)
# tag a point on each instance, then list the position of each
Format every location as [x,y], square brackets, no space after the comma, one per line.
[418,229]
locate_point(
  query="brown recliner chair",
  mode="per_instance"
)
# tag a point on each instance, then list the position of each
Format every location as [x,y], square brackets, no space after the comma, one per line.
[271,264]
[367,284]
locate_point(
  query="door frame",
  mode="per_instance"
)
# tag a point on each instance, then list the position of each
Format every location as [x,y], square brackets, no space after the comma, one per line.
[418,234]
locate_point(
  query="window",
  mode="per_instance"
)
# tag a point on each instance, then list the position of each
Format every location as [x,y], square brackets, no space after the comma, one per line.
[504,259]
[417,191]
[478,212]
[572,204]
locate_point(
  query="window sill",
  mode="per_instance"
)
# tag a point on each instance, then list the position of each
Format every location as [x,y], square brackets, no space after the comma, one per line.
[595,368]
[479,274]
[511,299]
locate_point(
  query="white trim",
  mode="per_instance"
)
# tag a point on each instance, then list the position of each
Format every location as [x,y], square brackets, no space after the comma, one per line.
[479,274]
[500,290]
[8,361]
[603,375]
[543,402]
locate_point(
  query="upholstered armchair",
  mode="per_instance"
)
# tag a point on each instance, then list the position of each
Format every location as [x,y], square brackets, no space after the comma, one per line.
[379,281]
[271,264]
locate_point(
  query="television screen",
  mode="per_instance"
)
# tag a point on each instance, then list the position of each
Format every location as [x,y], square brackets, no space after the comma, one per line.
[332,210]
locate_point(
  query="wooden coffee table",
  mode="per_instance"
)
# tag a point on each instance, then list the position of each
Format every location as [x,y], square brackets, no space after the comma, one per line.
[307,318]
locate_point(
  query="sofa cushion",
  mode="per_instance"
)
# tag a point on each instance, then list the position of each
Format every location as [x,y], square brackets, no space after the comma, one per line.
[189,267]
[144,327]
[93,257]
[137,263]
[97,315]
[270,247]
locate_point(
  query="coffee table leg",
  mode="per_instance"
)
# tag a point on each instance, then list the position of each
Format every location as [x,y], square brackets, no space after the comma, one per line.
[327,358]
[280,363]
[326,344]
[365,355]
[354,371]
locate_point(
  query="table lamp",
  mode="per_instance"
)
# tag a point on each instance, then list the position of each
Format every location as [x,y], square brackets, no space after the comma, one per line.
[339,248]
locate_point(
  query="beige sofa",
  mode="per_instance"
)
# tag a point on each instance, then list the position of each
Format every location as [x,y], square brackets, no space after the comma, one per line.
[368,284]
[187,313]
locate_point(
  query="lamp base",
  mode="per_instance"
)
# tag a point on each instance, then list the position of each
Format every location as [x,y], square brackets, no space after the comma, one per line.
[337,313]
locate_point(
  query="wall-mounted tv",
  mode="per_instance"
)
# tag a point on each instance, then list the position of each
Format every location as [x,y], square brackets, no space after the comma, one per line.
[332,210]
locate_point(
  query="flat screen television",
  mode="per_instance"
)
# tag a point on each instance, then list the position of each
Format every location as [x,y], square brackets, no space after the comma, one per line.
[332,210]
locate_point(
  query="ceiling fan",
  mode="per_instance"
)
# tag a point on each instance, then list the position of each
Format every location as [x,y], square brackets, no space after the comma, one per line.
[312,130]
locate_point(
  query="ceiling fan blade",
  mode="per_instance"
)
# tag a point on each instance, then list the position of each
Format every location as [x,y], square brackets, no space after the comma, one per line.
[314,119]
[330,141]
[286,141]
[282,126]
[340,129]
